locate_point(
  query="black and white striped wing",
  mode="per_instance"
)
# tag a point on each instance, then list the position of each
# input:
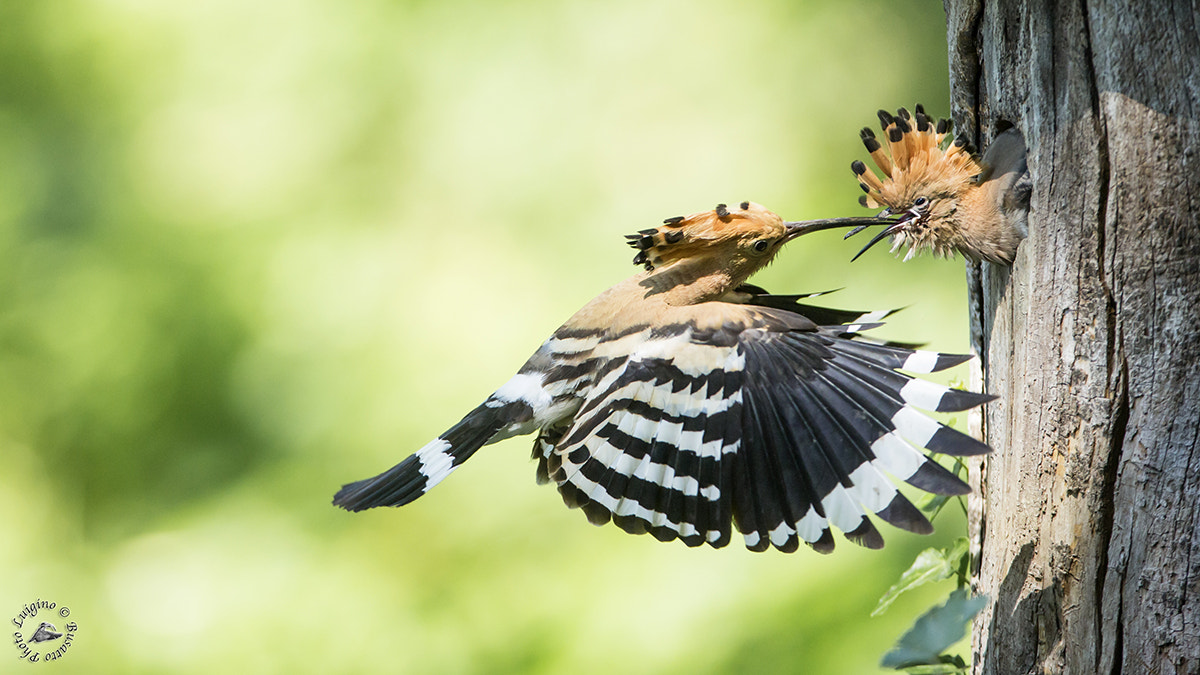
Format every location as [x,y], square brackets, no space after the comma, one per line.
[826,421]
[782,432]
[649,445]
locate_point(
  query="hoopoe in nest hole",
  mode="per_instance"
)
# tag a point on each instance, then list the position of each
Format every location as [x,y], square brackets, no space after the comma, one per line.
[684,401]
[948,199]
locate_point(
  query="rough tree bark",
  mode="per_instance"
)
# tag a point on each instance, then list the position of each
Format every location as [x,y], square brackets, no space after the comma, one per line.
[1088,528]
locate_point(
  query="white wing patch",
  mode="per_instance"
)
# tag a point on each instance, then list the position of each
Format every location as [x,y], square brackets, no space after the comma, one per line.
[526,387]
[921,361]
[672,404]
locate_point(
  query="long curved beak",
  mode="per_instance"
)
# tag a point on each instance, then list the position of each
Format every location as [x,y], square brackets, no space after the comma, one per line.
[800,227]
[883,234]
[894,226]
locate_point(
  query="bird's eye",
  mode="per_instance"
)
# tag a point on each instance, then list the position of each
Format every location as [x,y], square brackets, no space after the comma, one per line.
[762,245]
[921,201]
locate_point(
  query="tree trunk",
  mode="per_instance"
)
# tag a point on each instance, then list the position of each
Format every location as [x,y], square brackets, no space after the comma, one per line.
[1088,524]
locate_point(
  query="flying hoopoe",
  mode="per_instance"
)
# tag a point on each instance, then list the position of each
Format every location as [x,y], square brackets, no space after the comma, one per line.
[683,400]
[948,200]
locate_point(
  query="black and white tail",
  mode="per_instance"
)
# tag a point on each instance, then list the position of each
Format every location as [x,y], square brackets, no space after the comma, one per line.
[428,466]
[521,405]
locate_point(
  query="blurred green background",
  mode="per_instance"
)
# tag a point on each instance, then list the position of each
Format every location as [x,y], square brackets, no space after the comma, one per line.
[252,251]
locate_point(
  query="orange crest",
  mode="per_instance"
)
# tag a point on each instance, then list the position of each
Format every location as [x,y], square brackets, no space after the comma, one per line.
[686,236]
[914,164]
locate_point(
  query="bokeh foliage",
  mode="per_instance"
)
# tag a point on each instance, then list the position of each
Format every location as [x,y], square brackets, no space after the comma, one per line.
[251,251]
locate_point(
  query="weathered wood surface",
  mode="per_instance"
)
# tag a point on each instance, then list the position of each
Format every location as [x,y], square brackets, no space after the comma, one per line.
[1089,522]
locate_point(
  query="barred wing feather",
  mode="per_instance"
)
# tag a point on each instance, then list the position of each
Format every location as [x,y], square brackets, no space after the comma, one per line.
[782,431]
[649,445]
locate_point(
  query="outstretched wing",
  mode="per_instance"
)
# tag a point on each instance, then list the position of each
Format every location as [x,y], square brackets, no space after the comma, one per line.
[770,422]
[826,420]
[647,447]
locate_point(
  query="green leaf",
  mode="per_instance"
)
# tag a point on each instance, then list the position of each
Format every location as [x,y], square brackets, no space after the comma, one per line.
[934,632]
[950,665]
[932,504]
[931,565]
[939,669]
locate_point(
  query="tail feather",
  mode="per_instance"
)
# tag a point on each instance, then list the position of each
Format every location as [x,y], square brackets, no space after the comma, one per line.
[427,467]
